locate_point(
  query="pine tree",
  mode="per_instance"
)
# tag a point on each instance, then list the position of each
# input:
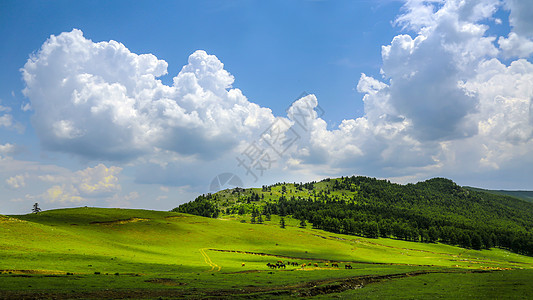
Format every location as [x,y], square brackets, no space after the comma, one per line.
[36,208]
[282,222]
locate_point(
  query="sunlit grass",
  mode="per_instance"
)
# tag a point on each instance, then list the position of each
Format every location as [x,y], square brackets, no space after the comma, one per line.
[141,245]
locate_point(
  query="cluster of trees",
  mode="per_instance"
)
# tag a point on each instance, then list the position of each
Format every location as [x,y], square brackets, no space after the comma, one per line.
[257,217]
[308,186]
[254,197]
[203,205]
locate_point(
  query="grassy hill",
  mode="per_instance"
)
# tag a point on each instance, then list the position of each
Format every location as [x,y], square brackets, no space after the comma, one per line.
[100,253]
[429,211]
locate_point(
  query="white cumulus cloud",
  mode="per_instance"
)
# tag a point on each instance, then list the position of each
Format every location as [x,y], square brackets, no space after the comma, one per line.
[519,42]
[445,104]
[99,181]
[7,149]
[16,182]
[516,45]
[108,103]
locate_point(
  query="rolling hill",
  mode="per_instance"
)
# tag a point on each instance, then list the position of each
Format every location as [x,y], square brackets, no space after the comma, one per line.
[96,253]
[232,244]
[429,211]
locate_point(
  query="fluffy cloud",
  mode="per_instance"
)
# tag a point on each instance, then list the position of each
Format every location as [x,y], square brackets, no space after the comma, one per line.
[16,182]
[6,120]
[516,46]
[425,72]
[519,42]
[446,104]
[108,103]
[7,149]
[505,117]
[99,181]
[62,194]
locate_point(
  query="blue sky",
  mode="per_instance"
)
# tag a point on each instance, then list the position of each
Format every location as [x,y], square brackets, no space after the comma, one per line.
[142,104]
[288,46]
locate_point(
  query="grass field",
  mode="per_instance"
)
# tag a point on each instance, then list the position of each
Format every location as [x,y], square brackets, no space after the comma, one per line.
[119,253]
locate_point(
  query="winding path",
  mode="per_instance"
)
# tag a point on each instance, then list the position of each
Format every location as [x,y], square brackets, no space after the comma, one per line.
[208,260]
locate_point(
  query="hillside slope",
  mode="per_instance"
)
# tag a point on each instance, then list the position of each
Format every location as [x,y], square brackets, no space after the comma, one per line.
[429,211]
[167,254]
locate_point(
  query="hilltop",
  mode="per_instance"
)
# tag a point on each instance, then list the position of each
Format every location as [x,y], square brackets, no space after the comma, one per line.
[436,210]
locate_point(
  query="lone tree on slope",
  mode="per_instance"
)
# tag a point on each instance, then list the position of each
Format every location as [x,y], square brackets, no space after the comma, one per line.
[36,208]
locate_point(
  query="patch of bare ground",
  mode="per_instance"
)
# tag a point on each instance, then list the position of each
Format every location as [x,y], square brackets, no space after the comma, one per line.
[31,272]
[177,217]
[117,222]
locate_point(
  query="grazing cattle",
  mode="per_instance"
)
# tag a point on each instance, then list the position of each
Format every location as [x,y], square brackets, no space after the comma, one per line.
[348,266]
[294,263]
[280,262]
[303,265]
[272,266]
[316,265]
[243,264]
[326,264]
[335,265]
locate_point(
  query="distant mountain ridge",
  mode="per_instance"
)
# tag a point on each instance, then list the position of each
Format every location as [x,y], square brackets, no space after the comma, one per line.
[435,210]
[524,195]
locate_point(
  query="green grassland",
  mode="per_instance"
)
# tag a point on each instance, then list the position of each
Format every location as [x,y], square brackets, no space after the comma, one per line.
[124,253]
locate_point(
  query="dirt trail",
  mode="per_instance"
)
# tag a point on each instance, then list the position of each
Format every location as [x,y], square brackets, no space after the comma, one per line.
[118,222]
[208,260]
